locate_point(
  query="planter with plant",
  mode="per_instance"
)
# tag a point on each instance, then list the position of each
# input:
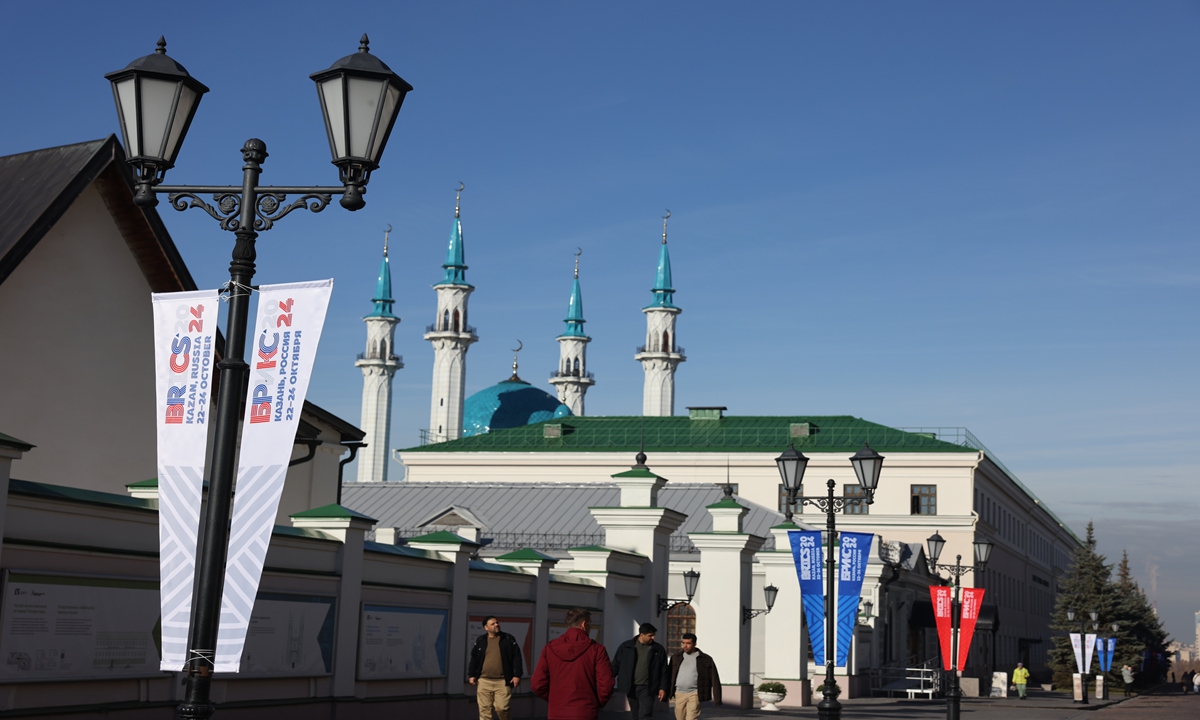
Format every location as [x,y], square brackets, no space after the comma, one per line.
[771,693]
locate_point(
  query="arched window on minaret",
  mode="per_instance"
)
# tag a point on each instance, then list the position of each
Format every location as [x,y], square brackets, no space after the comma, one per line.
[455,321]
[576,367]
[445,320]
[666,341]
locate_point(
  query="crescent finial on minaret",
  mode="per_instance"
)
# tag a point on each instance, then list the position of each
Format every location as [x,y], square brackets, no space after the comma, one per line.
[578,252]
[458,196]
[665,218]
[386,233]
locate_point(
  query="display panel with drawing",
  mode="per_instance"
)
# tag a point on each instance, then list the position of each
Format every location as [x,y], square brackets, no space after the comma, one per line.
[520,628]
[57,627]
[400,642]
[289,635]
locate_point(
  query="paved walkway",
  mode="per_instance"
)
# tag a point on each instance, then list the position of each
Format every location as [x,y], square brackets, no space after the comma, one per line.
[1163,705]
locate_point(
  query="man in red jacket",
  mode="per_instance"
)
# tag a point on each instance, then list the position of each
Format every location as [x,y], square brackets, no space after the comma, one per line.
[574,674]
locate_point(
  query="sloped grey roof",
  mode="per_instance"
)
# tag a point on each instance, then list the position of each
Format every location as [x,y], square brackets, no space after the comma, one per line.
[542,508]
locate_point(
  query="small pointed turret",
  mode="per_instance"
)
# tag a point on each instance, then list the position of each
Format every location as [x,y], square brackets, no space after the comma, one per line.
[572,378]
[664,293]
[456,264]
[383,286]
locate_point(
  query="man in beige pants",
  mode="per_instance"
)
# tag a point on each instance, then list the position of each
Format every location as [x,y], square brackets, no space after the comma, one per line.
[694,679]
[495,669]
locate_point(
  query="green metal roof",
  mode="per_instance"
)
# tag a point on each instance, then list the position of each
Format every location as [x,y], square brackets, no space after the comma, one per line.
[526,555]
[831,433]
[14,443]
[332,511]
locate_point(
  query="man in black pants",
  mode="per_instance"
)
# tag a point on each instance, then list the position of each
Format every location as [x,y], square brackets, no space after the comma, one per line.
[640,666]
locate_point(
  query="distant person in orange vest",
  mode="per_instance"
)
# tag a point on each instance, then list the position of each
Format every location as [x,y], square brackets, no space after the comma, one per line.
[1020,679]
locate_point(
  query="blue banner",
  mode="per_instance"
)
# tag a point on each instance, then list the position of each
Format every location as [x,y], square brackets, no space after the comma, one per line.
[852,568]
[806,552]
[1107,655]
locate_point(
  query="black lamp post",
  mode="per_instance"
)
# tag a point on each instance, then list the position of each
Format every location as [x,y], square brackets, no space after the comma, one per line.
[867,465]
[691,579]
[156,101]
[983,551]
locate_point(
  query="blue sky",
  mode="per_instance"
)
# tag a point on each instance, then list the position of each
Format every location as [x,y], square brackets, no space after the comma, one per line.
[917,213]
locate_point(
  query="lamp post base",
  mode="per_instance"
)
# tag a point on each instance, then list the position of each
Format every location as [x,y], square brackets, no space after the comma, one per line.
[829,709]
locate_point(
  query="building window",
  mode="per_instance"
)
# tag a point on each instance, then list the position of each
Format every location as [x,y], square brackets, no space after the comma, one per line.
[681,618]
[783,499]
[853,492]
[924,499]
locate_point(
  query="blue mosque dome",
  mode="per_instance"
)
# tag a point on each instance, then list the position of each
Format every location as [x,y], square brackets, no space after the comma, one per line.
[507,404]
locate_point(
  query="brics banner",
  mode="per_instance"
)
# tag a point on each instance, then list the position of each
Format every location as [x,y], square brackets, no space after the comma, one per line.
[972,600]
[853,551]
[806,553]
[943,609]
[185,324]
[282,350]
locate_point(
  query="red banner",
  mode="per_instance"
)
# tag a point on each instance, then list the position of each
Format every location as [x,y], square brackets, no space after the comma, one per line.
[941,612]
[972,600]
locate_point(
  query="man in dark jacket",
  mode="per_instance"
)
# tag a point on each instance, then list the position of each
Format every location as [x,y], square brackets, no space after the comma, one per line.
[495,668]
[694,679]
[640,665]
[573,673]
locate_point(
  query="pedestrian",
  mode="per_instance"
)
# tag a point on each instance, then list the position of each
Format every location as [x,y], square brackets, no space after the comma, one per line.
[495,669]
[1196,681]
[640,666]
[1184,681]
[694,679]
[1020,678]
[1127,676]
[573,673]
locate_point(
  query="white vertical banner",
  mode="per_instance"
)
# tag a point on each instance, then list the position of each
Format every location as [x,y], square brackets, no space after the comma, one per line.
[282,350]
[1076,647]
[185,324]
[1090,645]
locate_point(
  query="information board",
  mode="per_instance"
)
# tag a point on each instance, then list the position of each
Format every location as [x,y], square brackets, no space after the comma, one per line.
[289,636]
[57,627]
[400,642]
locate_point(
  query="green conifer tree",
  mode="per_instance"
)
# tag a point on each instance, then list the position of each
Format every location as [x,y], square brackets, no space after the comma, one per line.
[1140,631]
[1085,588]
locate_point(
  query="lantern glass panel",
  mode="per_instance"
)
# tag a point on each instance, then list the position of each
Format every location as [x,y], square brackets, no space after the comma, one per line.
[867,466]
[158,101]
[183,113]
[335,114]
[690,579]
[983,551]
[362,96]
[391,99]
[127,103]
[1070,615]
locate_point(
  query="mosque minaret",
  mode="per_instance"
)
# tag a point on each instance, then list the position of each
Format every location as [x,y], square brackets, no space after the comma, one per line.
[451,336]
[661,354]
[379,363]
[572,378]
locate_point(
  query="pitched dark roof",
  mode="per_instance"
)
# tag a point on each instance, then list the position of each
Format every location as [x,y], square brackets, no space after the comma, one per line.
[37,188]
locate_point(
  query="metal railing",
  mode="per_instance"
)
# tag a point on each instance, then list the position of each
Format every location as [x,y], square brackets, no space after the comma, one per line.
[376,356]
[572,374]
[468,329]
[679,542]
[679,350]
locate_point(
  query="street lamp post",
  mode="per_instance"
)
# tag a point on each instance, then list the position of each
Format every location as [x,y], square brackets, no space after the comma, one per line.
[983,550]
[867,464]
[156,101]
